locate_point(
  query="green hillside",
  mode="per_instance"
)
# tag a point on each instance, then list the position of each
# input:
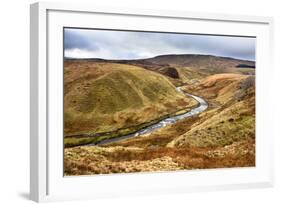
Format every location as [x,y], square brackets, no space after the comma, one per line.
[108,96]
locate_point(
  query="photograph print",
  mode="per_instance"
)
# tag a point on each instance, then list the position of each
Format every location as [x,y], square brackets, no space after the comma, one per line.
[140,101]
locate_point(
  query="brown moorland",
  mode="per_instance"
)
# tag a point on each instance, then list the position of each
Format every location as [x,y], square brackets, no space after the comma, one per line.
[222,136]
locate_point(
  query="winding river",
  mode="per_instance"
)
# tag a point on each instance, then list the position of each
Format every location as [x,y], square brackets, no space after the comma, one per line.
[203,105]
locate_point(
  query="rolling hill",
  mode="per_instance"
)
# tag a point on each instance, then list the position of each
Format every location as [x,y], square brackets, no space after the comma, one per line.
[104,97]
[204,63]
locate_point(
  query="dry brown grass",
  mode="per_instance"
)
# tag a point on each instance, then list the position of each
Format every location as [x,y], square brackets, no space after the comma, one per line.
[97,160]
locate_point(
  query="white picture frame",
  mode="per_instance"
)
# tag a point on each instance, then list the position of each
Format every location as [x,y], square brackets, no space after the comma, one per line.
[46,159]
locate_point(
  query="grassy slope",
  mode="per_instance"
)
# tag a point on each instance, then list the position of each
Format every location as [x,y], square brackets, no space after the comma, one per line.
[189,75]
[232,117]
[102,97]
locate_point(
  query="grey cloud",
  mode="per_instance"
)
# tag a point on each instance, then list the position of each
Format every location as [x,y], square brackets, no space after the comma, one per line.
[133,45]
[74,40]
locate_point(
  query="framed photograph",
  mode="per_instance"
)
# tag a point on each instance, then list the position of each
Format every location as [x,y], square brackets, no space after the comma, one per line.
[129,102]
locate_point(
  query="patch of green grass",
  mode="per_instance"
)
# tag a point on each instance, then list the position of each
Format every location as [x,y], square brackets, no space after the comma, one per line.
[110,94]
[246,70]
[74,141]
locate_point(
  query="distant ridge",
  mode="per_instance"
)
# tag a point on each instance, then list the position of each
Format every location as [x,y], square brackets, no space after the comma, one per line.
[169,64]
[160,56]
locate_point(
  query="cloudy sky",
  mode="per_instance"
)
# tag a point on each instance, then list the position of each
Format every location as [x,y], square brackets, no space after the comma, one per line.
[106,44]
